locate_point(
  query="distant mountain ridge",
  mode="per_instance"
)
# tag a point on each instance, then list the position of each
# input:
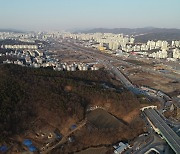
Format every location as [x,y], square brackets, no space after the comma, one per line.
[11,30]
[131,31]
[142,34]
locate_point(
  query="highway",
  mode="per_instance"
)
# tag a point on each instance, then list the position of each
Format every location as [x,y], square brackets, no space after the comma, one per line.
[105,60]
[170,136]
[115,59]
[120,76]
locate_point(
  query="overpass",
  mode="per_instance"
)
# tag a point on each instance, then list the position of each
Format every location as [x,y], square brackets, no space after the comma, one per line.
[161,127]
[150,150]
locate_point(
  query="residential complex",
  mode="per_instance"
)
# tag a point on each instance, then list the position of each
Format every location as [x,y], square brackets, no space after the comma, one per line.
[108,42]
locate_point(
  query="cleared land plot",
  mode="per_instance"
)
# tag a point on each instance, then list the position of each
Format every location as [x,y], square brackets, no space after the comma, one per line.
[102,119]
[137,62]
[152,80]
[101,150]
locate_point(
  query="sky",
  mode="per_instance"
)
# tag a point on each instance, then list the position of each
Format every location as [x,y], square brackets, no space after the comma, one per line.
[87,14]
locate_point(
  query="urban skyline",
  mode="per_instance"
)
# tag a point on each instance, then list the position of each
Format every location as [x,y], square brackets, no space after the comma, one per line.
[79,14]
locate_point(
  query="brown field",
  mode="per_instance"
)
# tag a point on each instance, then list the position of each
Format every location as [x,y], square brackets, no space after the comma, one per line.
[131,116]
[153,80]
[101,150]
[102,119]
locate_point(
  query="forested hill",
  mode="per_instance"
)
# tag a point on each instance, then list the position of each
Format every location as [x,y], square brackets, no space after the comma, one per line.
[26,94]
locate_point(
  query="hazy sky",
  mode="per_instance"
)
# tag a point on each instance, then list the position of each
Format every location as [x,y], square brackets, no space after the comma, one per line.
[70,14]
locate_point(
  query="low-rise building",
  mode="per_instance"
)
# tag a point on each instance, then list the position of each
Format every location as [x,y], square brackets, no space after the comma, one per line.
[120,148]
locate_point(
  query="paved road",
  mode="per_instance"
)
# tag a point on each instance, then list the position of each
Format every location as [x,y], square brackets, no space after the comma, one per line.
[115,59]
[147,147]
[171,137]
[120,76]
[104,59]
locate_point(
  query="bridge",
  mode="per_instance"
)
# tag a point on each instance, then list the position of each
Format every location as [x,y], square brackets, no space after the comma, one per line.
[162,128]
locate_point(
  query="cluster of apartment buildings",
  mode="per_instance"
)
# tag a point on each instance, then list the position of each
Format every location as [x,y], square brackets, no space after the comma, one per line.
[32,58]
[162,54]
[172,55]
[31,47]
[121,44]
[106,42]
[103,41]
[38,58]
[26,37]
[28,53]
[75,66]
[29,37]
[150,45]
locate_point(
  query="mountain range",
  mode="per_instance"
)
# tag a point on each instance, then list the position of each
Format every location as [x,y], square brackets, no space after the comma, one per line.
[141,34]
[11,30]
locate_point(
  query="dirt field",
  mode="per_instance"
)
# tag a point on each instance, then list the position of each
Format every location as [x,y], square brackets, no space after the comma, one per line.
[72,56]
[101,150]
[131,116]
[102,119]
[153,81]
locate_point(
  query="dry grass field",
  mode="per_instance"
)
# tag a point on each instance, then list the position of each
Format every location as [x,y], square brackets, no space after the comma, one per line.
[102,119]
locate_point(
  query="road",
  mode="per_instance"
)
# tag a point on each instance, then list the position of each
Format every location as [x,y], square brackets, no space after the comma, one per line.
[115,59]
[170,136]
[120,76]
[105,60]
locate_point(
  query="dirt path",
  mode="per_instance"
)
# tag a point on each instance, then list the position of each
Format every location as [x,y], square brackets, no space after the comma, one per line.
[64,139]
